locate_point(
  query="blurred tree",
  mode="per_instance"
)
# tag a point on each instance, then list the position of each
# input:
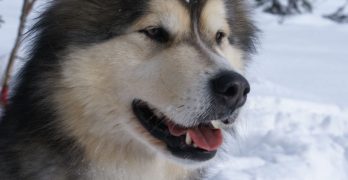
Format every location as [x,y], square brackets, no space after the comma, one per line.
[284,7]
[26,9]
[1,21]
[340,15]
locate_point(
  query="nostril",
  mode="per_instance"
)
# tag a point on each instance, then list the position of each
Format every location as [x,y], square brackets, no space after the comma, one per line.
[232,90]
[232,86]
[246,91]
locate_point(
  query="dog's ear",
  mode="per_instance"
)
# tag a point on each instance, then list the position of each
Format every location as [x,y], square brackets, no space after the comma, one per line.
[244,32]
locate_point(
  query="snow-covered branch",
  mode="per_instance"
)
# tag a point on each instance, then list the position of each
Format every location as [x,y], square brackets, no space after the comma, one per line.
[26,9]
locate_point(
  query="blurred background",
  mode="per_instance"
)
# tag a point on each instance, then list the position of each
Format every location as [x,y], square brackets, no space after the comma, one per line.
[295,125]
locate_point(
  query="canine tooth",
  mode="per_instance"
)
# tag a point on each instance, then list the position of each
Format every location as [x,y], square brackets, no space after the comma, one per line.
[194,145]
[216,124]
[157,113]
[188,139]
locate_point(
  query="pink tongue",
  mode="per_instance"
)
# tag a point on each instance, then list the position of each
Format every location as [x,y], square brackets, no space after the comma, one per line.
[206,138]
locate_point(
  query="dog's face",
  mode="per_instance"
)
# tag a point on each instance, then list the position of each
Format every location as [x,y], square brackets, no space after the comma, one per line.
[170,80]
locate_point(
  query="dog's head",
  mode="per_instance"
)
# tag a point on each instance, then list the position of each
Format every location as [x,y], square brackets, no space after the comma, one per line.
[166,74]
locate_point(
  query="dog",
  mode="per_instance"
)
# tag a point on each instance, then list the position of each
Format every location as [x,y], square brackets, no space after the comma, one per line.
[127,89]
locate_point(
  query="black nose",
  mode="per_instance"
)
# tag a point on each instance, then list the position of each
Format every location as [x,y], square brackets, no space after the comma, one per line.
[231,87]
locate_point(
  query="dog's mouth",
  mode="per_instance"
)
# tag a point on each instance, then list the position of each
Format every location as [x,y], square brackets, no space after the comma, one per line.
[198,143]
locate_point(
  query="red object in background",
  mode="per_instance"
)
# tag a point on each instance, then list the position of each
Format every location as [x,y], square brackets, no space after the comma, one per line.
[4,96]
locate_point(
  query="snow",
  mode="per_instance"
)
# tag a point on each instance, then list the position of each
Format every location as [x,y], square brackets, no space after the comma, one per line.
[307,57]
[295,124]
[281,138]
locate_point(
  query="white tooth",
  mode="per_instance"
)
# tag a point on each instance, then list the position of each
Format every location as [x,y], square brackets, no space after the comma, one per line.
[216,124]
[194,145]
[157,113]
[188,139]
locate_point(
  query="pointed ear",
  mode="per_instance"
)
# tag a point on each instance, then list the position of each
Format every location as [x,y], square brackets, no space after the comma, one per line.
[244,32]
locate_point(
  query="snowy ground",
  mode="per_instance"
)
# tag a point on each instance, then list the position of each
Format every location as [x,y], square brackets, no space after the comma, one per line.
[295,125]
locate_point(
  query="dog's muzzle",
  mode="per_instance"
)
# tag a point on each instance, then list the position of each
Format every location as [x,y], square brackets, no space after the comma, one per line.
[201,141]
[229,91]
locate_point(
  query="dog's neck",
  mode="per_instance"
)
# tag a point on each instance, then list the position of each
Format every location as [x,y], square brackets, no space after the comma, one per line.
[111,152]
[126,170]
[131,162]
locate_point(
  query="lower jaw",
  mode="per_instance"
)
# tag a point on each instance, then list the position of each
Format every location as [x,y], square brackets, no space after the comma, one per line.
[192,154]
[175,144]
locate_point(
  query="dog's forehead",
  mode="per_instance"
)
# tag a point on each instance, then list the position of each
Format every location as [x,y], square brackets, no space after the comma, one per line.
[179,16]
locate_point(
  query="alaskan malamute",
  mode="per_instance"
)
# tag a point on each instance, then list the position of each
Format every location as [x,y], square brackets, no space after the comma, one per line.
[126,89]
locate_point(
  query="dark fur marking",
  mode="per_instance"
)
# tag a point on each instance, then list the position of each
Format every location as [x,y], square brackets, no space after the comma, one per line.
[244,32]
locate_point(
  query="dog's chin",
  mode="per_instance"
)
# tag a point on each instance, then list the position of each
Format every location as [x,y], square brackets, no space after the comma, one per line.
[187,145]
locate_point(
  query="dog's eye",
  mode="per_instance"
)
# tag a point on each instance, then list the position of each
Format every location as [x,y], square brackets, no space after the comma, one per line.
[156,33]
[219,37]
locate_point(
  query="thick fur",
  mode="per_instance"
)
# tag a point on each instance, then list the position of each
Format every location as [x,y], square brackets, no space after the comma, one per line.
[70,114]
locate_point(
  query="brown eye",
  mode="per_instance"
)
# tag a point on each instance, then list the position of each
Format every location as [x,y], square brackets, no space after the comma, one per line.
[157,34]
[219,37]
